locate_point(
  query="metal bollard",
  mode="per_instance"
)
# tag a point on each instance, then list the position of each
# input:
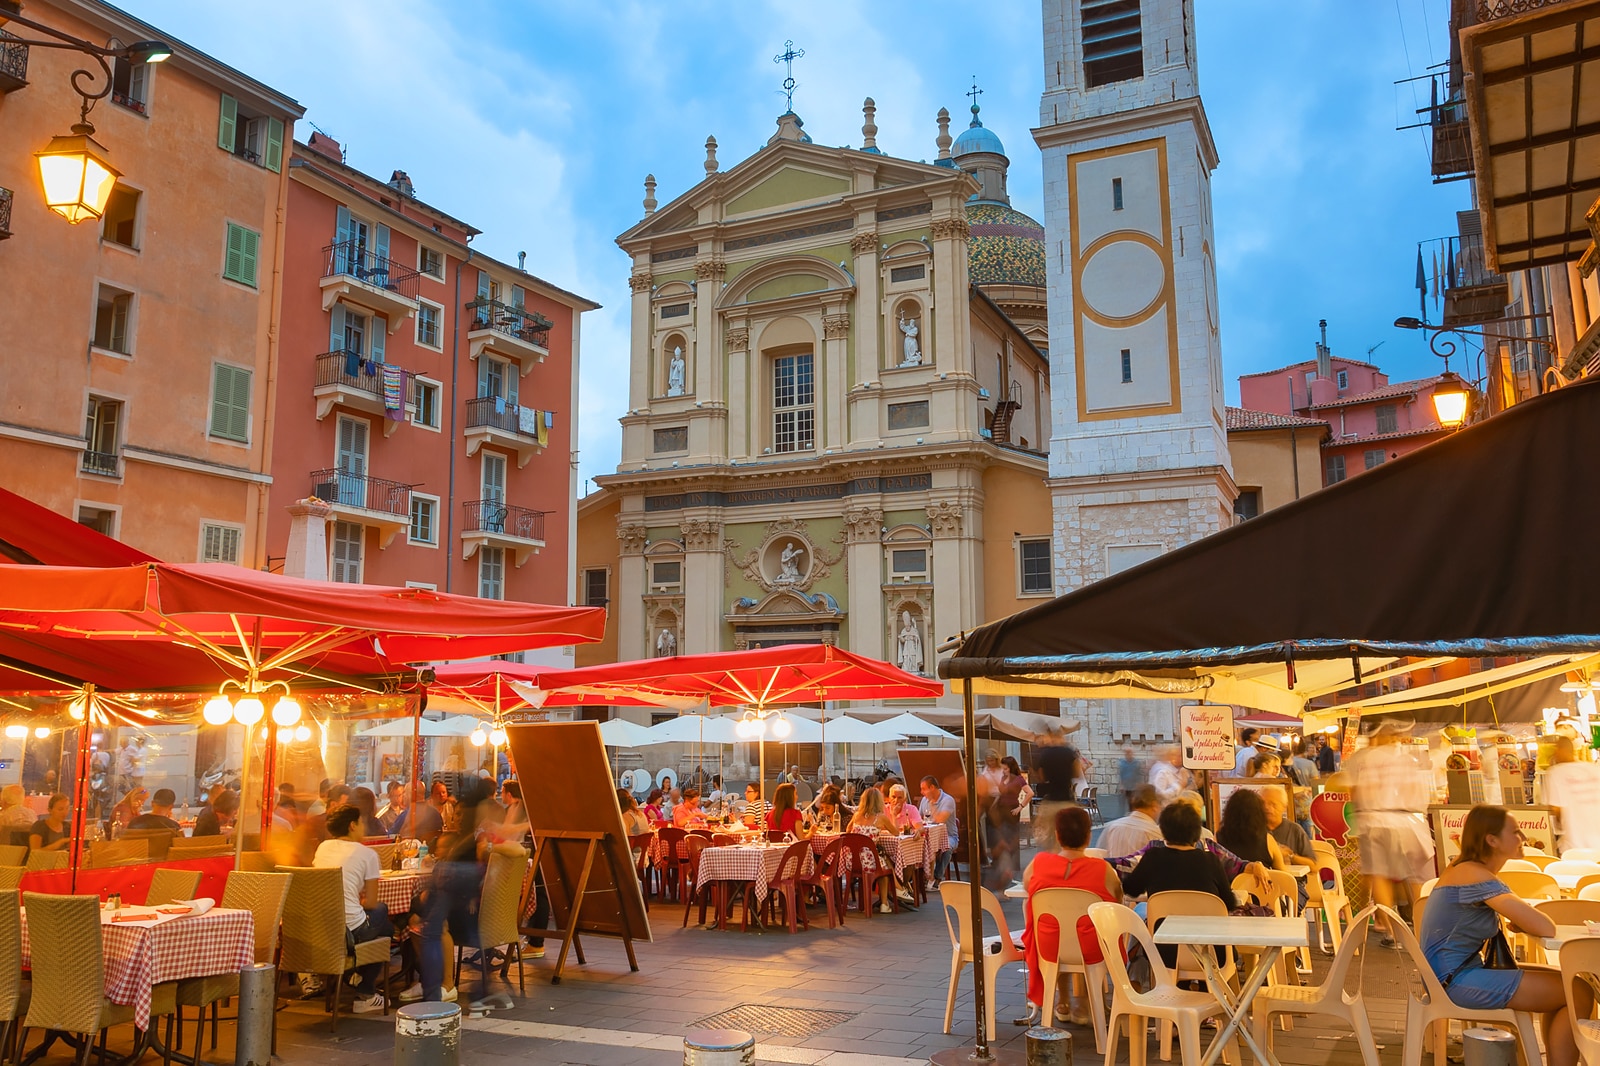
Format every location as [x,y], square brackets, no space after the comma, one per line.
[427,1034]
[1049,1047]
[718,1047]
[1488,1047]
[257,1001]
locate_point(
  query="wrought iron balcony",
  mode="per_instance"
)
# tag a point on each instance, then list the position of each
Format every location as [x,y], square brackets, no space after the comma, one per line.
[106,464]
[350,380]
[353,272]
[492,420]
[497,524]
[132,103]
[528,332]
[13,62]
[1458,274]
[1491,10]
[5,213]
[363,493]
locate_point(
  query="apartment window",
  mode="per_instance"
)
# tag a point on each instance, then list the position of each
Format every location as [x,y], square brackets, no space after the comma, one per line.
[494,477]
[348,542]
[118,224]
[428,325]
[424,524]
[1033,563]
[793,399]
[1334,469]
[1116,194]
[596,587]
[1373,457]
[908,564]
[1247,505]
[244,246]
[425,403]
[253,137]
[492,573]
[102,436]
[666,575]
[102,520]
[230,402]
[220,543]
[1344,380]
[113,313]
[430,262]
[1113,49]
[1388,418]
[497,379]
[1127,366]
[130,84]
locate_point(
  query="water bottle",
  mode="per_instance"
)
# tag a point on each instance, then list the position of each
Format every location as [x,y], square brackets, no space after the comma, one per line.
[423,861]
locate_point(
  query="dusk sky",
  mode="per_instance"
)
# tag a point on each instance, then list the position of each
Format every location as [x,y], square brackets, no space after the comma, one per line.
[536,122]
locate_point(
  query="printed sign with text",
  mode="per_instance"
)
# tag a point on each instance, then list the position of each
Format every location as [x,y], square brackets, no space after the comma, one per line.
[1206,733]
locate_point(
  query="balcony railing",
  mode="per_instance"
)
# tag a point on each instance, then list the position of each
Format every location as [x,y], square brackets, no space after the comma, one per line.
[1457,272]
[5,213]
[519,322]
[354,372]
[132,103]
[1490,10]
[359,490]
[356,260]
[13,62]
[497,516]
[495,413]
[106,464]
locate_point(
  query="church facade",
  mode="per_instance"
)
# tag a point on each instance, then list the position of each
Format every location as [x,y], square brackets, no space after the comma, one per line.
[838,407]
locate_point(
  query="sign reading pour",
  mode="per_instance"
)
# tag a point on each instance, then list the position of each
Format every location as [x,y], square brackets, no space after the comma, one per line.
[1206,733]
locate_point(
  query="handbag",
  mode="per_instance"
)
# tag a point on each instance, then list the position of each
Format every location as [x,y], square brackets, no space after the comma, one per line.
[1497,953]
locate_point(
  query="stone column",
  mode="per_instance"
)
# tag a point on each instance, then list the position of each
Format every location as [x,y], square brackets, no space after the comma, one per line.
[835,430]
[627,609]
[957,557]
[307,553]
[864,562]
[703,562]
[640,385]
[862,403]
[949,348]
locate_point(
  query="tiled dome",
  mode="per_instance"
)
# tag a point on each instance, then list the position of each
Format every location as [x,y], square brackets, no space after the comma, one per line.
[1006,246]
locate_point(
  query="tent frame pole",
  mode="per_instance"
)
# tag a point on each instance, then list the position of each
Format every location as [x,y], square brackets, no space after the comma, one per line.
[969,733]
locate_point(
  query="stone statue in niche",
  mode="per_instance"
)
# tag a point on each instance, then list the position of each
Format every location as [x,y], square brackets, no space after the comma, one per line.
[675,372]
[666,644]
[913,351]
[789,564]
[910,644]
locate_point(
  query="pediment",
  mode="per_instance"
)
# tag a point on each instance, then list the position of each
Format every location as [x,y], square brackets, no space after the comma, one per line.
[789,186]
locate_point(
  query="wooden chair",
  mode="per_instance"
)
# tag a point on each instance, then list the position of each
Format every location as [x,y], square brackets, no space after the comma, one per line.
[499,906]
[263,895]
[1065,906]
[996,951]
[788,885]
[13,993]
[172,886]
[314,934]
[826,877]
[1326,1000]
[866,872]
[69,977]
[1434,1008]
[1165,1002]
[1580,969]
[48,860]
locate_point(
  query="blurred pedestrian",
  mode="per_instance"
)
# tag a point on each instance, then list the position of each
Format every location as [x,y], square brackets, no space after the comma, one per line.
[1390,789]
[450,900]
[1130,775]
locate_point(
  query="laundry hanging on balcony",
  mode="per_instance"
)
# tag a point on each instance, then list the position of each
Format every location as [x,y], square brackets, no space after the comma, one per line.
[394,392]
[529,422]
[546,418]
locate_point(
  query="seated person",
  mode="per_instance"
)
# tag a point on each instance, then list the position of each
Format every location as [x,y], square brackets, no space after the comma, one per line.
[652,807]
[14,809]
[364,916]
[1245,832]
[755,808]
[634,821]
[1180,864]
[902,814]
[786,816]
[825,811]
[1292,840]
[1067,868]
[872,813]
[217,817]
[160,816]
[687,814]
[51,832]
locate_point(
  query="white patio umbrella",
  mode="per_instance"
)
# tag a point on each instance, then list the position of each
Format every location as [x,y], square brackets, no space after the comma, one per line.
[909,725]
[460,725]
[694,729]
[621,733]
[847,730]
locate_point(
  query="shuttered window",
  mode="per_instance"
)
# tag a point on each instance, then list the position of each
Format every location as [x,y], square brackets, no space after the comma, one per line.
[219,543]
[244,248]
[230,402]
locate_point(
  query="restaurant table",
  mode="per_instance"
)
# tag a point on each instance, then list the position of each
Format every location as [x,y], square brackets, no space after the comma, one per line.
[1565,933]
[1270,935]
[397,888]
[752,864]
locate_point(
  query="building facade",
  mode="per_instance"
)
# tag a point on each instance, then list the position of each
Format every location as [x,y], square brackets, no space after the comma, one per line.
[427,397]
[137,350]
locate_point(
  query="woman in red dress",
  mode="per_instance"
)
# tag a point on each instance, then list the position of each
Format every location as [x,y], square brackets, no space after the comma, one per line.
[1067,868]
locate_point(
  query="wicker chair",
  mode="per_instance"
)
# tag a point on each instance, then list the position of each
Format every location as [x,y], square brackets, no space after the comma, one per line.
[48,860]
[258,862]
[13,854]
[386,854]
[11,878]
[13,993]
[69,979]
[118,852]
[263,895]
[172,886]
[160,840]
[314,933]
[498,907]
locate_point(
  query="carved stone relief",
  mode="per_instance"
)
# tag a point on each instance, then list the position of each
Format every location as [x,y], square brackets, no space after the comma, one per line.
[632,538]
[945,518]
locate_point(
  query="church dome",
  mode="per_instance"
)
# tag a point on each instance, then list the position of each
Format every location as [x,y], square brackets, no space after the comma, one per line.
[977,138]
[1006,247]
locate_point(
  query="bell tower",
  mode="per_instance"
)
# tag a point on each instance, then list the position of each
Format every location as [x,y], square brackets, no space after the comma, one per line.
[1139,455]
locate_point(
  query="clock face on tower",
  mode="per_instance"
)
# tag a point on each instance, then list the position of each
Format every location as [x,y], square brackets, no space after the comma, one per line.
[1125,324]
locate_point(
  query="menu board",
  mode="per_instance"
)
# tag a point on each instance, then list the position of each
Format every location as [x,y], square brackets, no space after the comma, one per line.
[1206,733]
[1537,825]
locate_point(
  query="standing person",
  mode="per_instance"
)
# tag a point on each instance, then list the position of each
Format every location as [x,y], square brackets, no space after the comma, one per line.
[365,916]
[1005,815]
[1130,775]
[1573,789]
[989,779]
[1389,789]
[1057,764]
[939,807]
[1327,757]
[1465,910]
[1245,752]
[451,900]
[1167,774]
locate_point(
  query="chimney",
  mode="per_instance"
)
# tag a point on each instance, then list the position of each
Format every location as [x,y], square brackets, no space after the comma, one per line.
[400,182]
[326,146]
[1324,355]
[522,261]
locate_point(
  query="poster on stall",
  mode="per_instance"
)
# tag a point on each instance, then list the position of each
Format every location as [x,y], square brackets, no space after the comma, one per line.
[1536,823]
[1206,732]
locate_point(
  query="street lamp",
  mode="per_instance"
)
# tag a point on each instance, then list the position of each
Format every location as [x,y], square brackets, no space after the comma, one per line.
[1451,399]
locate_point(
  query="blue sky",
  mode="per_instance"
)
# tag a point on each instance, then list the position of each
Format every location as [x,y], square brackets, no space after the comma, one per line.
[537,122]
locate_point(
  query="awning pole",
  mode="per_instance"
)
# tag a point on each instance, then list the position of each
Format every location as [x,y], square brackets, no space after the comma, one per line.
[980,1051]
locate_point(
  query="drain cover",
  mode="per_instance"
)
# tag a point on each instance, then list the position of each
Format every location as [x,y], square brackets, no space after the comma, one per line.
[798,1022]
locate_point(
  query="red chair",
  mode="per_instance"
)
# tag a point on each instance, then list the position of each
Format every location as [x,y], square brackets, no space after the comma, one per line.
[641,845]
[790,885]
[826,876]
[866,871]
[671,867]
[776,836]
[724,840]
[694,889]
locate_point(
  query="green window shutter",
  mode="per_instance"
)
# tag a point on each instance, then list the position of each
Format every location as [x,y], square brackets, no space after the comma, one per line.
[240,402]
[274,157]
[230,402]
[228,123]
[234,264]
[380,241]
[250,251]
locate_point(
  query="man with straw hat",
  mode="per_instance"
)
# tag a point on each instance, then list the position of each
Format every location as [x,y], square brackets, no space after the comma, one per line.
[1389,788]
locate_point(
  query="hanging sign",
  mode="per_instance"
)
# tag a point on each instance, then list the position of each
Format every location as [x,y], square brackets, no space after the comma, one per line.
[1206,733]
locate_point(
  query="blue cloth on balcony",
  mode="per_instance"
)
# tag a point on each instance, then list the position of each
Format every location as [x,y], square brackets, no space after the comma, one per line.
[372,367]
[499,405]
[528,421]
[352,364]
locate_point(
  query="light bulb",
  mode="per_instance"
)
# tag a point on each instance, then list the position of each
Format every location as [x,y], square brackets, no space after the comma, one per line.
[287,712]
[782,727]
[302,732]
[41,731]
[16,732]
[248,710]
[497,737]
[76,708]
[263,733]
[479,738]
[218,710]
[285,735]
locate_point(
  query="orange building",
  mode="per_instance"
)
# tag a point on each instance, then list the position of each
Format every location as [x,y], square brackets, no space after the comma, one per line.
[137,351]
[427,397]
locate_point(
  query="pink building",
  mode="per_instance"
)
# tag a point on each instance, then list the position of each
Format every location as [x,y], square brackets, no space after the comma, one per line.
[1370,421]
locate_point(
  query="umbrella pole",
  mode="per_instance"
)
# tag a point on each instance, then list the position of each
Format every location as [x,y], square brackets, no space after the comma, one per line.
[980,1051]
[80,783]
[416,768]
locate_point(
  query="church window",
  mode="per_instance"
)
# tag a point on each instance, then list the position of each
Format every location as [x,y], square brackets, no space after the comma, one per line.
[793,404]
[1116,194]
[908,564]
[1033,561]
[1113,47]
[1127,366]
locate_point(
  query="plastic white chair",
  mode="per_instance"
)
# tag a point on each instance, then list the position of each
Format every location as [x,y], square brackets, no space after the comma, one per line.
[1328,999]
[1572,868]
[1066,906]
[1535,885]
[1165,904]
[1582,854]
[1580,961]
[1522,865]
[1434,1007]
[1590,891]
[1283,900]
[1333,904]
[1165,1001]
[1427,888]
[997,950]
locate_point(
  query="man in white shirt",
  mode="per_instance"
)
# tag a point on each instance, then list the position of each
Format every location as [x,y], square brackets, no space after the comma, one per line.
[364,916]
[1573,788]
[1167,775]
[1130,835]
[1390,788]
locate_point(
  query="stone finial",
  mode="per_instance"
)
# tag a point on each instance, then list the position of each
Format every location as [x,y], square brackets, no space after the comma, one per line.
[711,156]
[649,194]
[869,127]
[944,139]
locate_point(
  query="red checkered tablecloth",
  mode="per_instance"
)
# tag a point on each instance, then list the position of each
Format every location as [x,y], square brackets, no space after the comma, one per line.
[756,863]
[138,957]
[901,852]
[395,891]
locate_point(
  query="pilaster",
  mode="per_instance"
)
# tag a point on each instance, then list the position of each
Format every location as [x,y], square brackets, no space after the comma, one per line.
[863,527]
[628,605]
[836,398]
[703,563]
[641,283]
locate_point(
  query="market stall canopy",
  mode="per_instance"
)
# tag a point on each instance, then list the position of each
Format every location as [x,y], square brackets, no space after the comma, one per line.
[481,686]
[786,673]
[1019,725]
[1451,551]
[64,620]
[460,725]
